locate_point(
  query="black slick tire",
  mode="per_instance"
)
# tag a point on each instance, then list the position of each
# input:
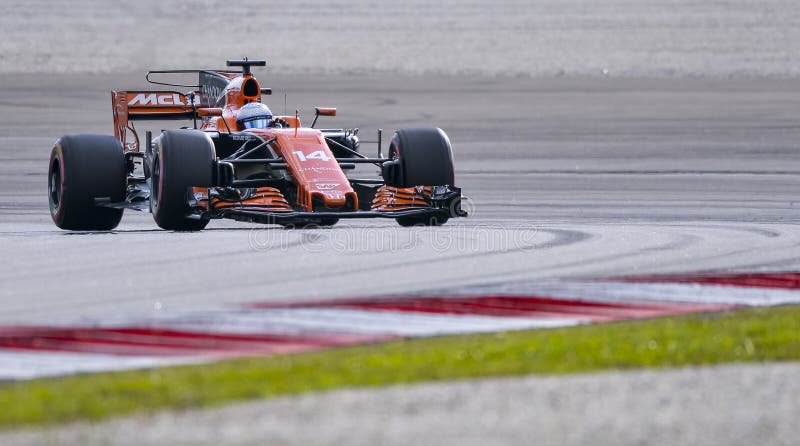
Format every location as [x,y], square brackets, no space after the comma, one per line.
[84,168]
[423,157]
[183,159]
[420,157]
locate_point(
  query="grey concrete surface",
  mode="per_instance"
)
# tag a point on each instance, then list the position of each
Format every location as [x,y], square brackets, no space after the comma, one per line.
[727,405]
[618,38]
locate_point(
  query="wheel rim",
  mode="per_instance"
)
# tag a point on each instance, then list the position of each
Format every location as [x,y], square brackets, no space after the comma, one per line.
[156,183]
[54,186]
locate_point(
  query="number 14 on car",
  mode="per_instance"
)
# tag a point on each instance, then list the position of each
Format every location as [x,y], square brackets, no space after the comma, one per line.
[316,155]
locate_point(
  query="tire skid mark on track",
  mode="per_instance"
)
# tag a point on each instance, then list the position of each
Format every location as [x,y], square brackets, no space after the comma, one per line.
[270,328]
[561,238]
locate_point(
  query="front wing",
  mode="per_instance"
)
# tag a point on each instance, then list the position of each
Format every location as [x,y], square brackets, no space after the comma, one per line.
[445,202]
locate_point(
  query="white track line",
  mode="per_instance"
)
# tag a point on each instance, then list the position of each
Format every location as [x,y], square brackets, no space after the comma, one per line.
[17,365]
[632,292]
[351,321]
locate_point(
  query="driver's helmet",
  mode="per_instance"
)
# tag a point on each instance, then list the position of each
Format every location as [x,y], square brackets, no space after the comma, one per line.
[254,115]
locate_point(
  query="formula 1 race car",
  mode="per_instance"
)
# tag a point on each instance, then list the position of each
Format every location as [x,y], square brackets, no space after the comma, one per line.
[256,168]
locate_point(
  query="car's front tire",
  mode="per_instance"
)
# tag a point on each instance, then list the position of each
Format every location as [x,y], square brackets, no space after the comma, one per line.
[420,157]
[183,159]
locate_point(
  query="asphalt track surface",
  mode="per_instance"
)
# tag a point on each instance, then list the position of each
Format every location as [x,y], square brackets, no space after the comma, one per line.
[568,178]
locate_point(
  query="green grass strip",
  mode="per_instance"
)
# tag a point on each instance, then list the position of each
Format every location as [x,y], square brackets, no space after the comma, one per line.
[771,334]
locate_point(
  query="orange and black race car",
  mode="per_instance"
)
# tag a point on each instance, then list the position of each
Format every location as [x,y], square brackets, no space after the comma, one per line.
[239,161]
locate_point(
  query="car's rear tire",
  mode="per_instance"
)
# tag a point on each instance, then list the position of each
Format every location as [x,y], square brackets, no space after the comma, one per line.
[183,159]
[422,157]
[83,168]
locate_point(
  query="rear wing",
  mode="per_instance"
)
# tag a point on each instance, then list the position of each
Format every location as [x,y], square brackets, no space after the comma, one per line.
[129,106]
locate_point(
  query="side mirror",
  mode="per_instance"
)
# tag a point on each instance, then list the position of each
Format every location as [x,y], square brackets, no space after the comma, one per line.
[322,111]
[204,112]
[266,91]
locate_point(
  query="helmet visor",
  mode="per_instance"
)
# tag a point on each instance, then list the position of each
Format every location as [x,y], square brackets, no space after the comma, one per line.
[257,123]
